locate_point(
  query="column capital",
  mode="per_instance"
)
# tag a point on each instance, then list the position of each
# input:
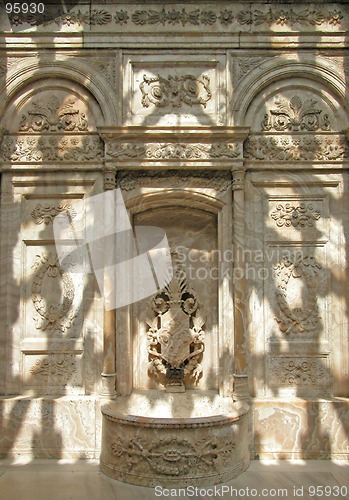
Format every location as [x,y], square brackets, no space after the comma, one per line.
[238,179]
[109,179]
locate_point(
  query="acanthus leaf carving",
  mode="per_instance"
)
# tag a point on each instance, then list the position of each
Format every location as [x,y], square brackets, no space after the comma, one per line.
[51,115]
[175,333]
[301,215]
[294,115]
[46,213]
[175,90]
[172,456]
[304,319]
[52,315]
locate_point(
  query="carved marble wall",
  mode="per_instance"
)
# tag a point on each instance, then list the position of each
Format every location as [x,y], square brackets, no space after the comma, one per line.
[225,124]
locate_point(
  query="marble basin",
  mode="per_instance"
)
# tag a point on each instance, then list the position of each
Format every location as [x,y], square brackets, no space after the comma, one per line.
[156,438]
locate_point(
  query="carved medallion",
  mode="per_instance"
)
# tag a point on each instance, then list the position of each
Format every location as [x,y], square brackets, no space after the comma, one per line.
[55,311]
[292,275]
[175,334]
[175,90]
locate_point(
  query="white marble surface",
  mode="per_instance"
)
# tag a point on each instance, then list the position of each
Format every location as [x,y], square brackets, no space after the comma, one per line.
[65,480]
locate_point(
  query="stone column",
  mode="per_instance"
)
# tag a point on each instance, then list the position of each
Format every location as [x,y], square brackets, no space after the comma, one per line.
[109,330]
[240,391]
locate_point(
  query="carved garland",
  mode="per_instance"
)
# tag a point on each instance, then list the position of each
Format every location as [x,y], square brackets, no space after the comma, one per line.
[172,456]
[299,319]
[56,316]
[175,90]
[296,216]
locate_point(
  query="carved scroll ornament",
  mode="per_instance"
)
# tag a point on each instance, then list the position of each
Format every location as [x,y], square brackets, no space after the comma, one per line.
[172,456]
[175,334]
[294,115]
[46,213]
[175,90]
[297,371]
[51,115]
[301,215]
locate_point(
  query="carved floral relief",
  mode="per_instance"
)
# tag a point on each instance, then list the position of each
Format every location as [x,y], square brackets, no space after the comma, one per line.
[302,148]
[46,213]
[300,273]
[294,115]
[175,334]
[298,216]
[297,371]
[175,90]
[54,312]
[173,456]
[51,115]
[57,369]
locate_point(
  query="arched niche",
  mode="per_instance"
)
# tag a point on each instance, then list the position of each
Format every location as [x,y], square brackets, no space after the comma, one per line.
[307,72]
[52,105]
[75,73]
[198,230]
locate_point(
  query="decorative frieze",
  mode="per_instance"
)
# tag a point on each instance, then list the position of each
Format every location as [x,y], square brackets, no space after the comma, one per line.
[294,371]
[304,17]
[298,216]
[51,148]
[183,178]
[46,213]
[289,273]
[173,456]
[295,148]
[51,115]
[175,90]
[55,313]
[157,151]
[294,114]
